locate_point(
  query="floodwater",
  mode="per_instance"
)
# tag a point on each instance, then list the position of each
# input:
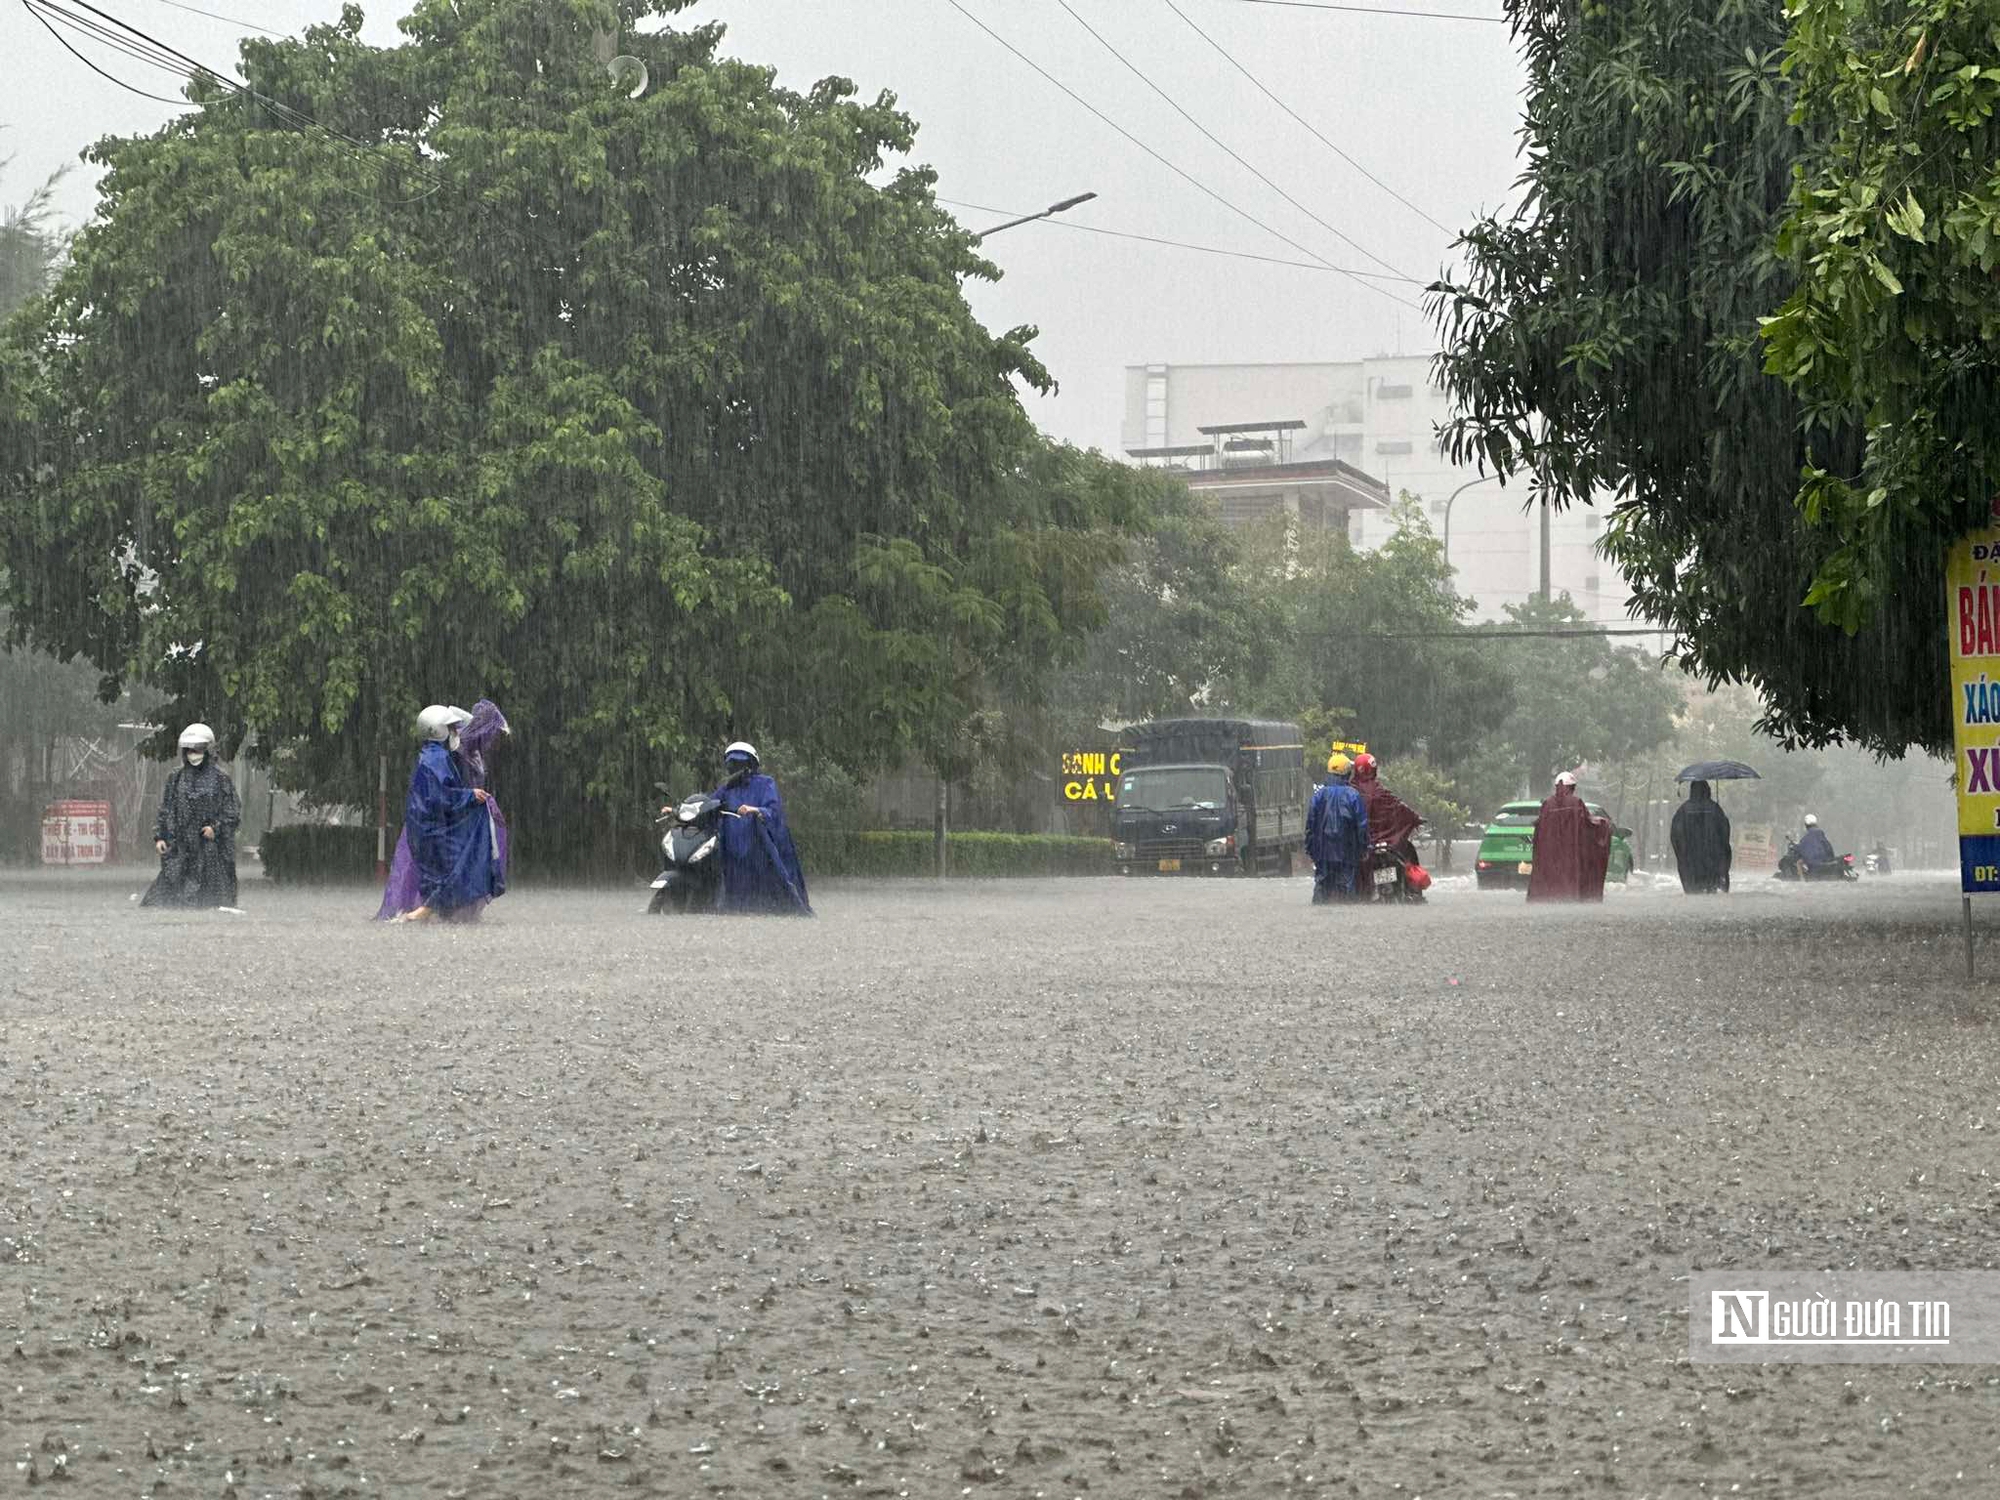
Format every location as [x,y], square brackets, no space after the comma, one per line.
[1085,1188]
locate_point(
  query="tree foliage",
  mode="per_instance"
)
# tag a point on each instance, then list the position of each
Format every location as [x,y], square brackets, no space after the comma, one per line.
[1894,236]
[1182,621]
[1369,641]
[1604,344]
[656,419]
[1577,698]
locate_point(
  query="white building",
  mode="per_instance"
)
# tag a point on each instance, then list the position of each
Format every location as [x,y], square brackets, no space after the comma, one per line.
[1379,416]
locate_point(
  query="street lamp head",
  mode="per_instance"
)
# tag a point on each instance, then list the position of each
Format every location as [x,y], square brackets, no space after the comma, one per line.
[1052,209]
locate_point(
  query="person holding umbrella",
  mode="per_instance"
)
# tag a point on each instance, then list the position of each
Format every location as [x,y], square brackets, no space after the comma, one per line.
[1701,828]
[1701,842]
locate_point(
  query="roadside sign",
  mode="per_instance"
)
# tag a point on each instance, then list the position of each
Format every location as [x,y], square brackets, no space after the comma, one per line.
[1972,582]
[1091,775]
[76,833]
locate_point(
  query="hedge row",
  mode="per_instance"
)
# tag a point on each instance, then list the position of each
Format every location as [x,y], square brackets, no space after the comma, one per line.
[318,854]
[973,856]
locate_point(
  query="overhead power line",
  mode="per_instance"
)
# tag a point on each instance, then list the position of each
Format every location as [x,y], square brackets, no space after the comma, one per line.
[1265,90]
[1178,171]
[1380,10]
[1556,634]
[1151,239]
[196,10]
[131,41]
[63,42]
[1216,140]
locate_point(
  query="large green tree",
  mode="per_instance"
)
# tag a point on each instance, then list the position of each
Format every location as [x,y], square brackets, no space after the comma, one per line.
[1371,644]
[1577,698]
[1603,344]
[42,698]
[1183,621]
[419,372]
[1893,325]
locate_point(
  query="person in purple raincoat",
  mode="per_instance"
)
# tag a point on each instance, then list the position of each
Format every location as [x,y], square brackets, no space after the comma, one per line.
[476,735]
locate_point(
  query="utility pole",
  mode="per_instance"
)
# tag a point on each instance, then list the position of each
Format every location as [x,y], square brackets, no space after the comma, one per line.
[941,828]
[1545,549]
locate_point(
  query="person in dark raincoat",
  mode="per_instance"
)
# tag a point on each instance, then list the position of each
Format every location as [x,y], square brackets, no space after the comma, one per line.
[450,830]
[1572,848]
[1336,834]
[1701,842]
[402,895]
[760,864]
[195,832]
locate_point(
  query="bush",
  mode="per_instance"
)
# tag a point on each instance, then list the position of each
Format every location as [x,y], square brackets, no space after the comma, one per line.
[974,856]
[318,854]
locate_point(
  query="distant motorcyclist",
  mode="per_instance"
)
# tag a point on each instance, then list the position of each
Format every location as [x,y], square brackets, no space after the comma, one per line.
[1881,858]
[1391,820]
[760,864]
[1814,850]
[1337,834]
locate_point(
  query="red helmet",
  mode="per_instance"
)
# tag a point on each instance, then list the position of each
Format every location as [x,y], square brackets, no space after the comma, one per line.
[1364,767]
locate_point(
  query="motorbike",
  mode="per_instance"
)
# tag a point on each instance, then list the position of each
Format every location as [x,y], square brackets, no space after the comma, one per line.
[690,878]
[1791,867]
[1878,864]
[1386,876]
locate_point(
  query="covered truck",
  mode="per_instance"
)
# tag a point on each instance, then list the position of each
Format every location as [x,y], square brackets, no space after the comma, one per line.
[1210,797]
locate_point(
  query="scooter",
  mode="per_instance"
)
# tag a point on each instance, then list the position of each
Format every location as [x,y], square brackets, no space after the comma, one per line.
[690,878]
[1791,867]
[1386,876]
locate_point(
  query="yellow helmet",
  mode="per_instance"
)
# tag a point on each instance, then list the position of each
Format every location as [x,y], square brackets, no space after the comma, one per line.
[1339,764]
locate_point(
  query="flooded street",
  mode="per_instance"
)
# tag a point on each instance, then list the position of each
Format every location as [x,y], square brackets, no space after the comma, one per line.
[1017,1190]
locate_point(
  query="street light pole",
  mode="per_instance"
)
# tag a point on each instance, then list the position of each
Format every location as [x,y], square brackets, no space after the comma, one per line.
[1054,208]
[1482,479]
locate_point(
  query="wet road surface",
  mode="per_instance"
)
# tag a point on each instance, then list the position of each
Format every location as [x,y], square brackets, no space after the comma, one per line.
[1080,1188]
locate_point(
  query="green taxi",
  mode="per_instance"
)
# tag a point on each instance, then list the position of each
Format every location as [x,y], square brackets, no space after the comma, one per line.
[1507,851]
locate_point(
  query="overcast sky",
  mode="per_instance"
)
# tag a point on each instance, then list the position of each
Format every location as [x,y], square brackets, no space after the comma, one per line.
[1428,106]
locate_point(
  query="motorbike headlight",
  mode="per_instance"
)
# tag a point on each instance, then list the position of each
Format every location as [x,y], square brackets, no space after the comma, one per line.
[702,853]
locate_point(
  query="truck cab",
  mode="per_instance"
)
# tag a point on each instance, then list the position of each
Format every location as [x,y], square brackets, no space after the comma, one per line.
[1210,797]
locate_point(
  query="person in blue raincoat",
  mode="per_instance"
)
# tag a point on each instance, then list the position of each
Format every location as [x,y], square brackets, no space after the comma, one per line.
[1336,833]
[760,864]
[1814,848]
[449,827]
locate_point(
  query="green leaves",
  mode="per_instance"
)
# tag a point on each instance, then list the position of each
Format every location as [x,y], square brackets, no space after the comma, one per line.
[651,418]
[1791,415]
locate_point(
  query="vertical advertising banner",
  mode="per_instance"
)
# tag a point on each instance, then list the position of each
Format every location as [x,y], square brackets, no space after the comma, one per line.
[1972,589]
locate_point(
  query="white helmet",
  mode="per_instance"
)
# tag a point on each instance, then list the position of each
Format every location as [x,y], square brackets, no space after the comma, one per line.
[438,721]
[742,750]
[1568,778]
[1811,821]
[197,737]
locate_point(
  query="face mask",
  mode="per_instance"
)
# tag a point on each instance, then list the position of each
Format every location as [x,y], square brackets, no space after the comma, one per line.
[196,757]
[452,742]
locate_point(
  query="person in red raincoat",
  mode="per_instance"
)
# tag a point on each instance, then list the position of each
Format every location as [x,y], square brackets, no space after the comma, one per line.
[1572,848]
[1391,820]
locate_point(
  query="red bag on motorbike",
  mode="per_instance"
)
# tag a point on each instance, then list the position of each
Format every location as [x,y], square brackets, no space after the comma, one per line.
[1419,878]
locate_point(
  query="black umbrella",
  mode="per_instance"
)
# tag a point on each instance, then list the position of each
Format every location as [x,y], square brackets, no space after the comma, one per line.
[1718,770]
